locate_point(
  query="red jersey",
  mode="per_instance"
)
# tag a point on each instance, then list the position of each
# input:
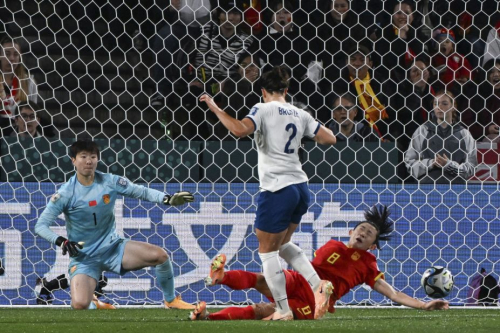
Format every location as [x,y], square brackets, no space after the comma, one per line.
[345,267]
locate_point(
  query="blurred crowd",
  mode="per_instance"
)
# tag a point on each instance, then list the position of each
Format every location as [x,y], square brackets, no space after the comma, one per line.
[422,74]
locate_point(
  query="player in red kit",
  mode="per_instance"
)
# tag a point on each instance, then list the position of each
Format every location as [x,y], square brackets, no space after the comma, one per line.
[301,299]
[344,265]
[349,265]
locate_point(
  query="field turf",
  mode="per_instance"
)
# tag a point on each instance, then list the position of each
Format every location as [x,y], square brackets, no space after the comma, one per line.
[44,319]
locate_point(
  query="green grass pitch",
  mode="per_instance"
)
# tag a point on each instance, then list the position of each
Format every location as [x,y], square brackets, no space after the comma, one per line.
[38,320]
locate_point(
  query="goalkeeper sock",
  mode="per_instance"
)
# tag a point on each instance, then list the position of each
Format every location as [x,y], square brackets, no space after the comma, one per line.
[165,277]
[238,280]
[233,313]
[298,260]
[92,306]
[276,281]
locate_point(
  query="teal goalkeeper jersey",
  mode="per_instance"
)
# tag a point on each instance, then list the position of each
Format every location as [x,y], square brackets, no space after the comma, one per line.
[89,210]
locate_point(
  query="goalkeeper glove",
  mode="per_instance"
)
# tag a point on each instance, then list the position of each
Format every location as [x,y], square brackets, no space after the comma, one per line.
[178,198]
[68,246]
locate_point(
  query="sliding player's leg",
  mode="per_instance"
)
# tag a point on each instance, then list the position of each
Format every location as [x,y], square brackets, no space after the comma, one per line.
[301,301]
[133,255]
[322,296]
[237,279]
[251,312]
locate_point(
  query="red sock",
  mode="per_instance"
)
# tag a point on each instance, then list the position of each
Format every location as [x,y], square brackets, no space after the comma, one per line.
[233,313]
[238,280]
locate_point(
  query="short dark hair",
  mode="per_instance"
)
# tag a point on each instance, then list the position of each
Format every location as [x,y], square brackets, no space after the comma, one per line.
[9,40]
[347,96]
[275,80]
[83,145]
[423,58]
[276,4]
[378,217]
[28,104]
[406,2]
[361,49]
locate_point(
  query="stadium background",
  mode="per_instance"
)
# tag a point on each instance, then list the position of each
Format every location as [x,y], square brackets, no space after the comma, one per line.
[92,64]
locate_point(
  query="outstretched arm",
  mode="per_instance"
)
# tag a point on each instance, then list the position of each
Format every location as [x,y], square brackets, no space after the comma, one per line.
[325,136]
[240,128]
[399,297]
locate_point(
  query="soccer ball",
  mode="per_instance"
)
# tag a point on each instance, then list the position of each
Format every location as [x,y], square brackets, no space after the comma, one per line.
[437,282]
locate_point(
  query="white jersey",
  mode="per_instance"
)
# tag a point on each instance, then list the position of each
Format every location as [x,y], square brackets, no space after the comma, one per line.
[279,128]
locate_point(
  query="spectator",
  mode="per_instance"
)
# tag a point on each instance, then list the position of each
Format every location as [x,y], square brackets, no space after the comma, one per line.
[442,150]
[414,101]
[451,66]
[185,19]
[219,47]
[429,18]
[284,44]
[217,50]
[28,123]
[397,48]
[340,32]
[489,117]
[492,50]
[240,92]
[343,125]
[15,83]
[372,91]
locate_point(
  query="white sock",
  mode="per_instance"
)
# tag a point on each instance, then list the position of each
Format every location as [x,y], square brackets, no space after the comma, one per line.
[298,260]
[275,278]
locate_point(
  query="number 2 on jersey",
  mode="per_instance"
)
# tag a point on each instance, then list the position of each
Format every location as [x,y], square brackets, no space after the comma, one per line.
[292,136]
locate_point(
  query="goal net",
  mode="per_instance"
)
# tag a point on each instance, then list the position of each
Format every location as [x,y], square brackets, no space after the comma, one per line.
[129,74]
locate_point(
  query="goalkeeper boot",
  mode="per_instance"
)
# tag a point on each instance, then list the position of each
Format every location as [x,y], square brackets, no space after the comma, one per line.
[200,312]
[102,305]
[178,303]
[216,270]
[322,298]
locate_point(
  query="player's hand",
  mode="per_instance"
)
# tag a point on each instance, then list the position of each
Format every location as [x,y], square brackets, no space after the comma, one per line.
[210,103]
[71,247]
[178,198]
[436,304]
[493,129]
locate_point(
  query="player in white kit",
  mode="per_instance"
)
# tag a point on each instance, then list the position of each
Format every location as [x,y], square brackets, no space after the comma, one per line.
[278,128]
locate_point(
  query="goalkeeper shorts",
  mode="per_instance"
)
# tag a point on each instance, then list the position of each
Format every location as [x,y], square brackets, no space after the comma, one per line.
[109,261]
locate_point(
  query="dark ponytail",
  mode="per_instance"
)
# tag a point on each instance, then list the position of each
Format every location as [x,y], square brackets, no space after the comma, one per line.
[275,80]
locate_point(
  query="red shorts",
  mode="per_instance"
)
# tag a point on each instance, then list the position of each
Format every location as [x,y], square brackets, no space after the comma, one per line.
[300,296]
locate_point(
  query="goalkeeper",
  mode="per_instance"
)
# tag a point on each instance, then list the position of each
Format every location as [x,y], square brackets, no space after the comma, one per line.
[87,201]
[345,266]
